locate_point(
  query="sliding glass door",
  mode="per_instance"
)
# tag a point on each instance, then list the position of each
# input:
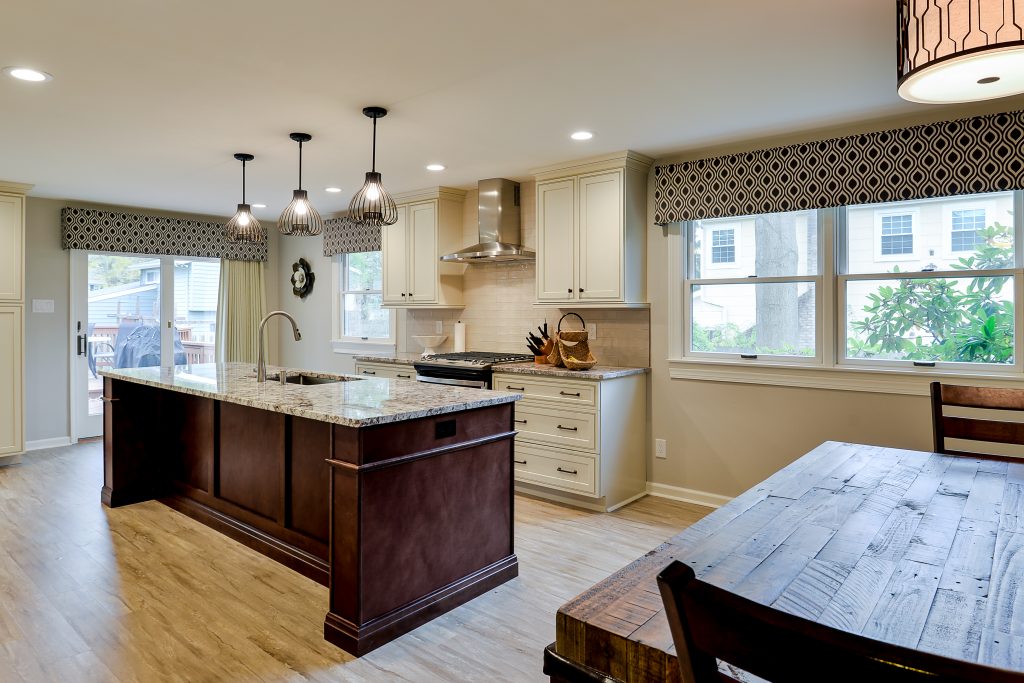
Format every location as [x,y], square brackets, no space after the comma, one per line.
[131,311]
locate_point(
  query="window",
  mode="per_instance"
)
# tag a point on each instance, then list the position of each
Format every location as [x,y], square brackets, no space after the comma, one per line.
[897,234]
[359,317]
[764,304]
[723,246]
[967,228]
[919,286]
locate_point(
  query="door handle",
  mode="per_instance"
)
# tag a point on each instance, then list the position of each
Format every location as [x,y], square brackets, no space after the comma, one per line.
[81,344]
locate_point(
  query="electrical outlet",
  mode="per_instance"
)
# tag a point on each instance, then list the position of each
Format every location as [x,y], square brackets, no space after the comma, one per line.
[592,331]
[438,329]
[659,448]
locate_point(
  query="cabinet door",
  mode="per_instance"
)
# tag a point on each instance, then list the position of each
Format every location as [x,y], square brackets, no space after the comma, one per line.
[394,259]
[11,380]
[600,237]
[556,223]
[423,256]
[12,247]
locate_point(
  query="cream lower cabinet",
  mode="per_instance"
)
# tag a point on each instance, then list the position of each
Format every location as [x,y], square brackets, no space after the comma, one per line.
[12,439]
[385,370]
[429,226]
[591,232]
[581,442]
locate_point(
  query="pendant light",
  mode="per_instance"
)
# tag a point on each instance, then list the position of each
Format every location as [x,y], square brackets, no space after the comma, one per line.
[299,218]
[372,205]
[960,50]
[243,226]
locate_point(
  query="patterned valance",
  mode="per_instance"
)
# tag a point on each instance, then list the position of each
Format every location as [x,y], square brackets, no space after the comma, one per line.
[980,154]
[133,233]
[343,236]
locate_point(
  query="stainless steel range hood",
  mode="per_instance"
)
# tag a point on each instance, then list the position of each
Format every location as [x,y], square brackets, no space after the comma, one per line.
[499,221]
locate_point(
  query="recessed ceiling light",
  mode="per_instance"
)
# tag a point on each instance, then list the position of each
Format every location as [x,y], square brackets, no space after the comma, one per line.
[25,74]
[332,189]
[259,206]
[435,167]
[582,135]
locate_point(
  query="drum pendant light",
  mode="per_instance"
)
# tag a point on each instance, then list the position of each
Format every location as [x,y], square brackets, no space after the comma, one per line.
[372,205]
[960,50]
[299,218]
[243,226]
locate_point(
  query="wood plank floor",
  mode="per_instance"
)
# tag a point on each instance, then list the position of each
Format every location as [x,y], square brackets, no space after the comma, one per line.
[143,593]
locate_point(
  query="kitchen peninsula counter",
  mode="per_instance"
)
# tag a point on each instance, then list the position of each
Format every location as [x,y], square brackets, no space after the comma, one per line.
[396,495]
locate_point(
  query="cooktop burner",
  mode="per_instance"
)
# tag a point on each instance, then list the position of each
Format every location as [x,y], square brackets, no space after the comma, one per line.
[477,358]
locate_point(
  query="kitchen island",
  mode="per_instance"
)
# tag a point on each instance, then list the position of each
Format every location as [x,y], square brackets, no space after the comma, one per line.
[396,495]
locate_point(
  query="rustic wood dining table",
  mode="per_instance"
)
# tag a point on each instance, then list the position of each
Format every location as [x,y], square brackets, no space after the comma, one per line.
[913,548]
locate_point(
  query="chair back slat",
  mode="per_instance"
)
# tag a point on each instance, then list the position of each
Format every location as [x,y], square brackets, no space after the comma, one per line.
[708,622]
[981,429]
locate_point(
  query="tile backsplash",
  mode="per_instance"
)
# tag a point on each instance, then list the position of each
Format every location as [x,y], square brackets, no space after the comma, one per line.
[499,309]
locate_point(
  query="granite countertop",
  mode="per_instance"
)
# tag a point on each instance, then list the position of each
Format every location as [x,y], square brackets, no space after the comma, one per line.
[355,402]
[596,373]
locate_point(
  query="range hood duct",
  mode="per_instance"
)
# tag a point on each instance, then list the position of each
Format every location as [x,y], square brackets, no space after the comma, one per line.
[499,221]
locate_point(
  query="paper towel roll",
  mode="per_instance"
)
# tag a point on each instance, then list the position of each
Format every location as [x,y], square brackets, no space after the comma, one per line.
[459,336]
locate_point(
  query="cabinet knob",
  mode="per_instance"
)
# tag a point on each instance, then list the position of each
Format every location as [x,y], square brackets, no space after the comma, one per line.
[570,290]
[403,293]
[581,290]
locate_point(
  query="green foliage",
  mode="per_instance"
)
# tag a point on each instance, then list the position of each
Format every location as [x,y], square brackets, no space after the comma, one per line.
[111,271]
[938,319]
[729,338]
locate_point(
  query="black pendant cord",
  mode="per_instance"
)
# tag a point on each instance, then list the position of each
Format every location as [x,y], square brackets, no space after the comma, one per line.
[373,156]
[243,181]
[300,164]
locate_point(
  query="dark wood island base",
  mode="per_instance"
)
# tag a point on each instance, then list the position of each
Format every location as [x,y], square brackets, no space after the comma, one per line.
[402,521]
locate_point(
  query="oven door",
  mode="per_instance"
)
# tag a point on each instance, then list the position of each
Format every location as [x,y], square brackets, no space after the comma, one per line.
[479,378]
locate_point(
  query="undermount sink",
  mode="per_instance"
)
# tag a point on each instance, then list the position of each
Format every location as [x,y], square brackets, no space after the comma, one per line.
[302,378]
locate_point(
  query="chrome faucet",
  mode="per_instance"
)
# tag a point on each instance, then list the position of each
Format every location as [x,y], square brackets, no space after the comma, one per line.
[261,362]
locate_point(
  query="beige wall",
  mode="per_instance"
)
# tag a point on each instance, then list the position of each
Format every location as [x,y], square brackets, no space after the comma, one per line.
[48,336]
[722,438]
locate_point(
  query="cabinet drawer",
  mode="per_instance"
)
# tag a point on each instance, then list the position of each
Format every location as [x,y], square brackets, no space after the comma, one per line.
[556,427]
[569,472]
[564,392]
[385,371]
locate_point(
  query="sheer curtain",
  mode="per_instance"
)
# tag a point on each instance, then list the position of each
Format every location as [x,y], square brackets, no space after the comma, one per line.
[241,304]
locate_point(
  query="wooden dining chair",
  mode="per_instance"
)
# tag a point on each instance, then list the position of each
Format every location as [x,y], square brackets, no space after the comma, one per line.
[709,623]
[974,428]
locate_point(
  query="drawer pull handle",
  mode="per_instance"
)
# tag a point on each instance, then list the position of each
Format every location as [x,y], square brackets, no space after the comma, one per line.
[522,422]
[567,393]
[567,471]
[405,377]
[512,388]
[519,462]
[569,429]
[369,372]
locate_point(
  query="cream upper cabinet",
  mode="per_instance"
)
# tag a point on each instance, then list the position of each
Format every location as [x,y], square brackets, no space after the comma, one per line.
[591,232]
[429,226]
[11,437]
[394,249]
[12,247]
[556,259]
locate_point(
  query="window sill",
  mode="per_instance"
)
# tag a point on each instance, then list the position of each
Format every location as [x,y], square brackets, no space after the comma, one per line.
[871,380]
[356,347]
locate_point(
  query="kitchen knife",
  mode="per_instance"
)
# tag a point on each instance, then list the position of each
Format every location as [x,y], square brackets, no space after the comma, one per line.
[543,332]
[533,347]
[536,340]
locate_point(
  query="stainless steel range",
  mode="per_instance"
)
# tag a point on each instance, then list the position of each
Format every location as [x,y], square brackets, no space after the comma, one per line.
[465,369]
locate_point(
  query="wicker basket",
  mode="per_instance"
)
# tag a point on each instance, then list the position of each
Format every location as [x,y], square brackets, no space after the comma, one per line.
[571,347]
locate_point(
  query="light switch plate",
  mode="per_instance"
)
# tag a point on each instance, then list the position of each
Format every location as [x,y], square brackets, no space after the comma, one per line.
[42,305]
[592,331]
[438,329]
[659,448]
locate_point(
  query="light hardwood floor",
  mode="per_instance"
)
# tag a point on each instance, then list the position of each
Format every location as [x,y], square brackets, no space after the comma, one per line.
[143,593]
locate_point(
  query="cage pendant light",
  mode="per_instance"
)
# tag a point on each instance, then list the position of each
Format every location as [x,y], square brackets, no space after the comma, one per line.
[372,205]
[299,218]
[960,50]
[243,226]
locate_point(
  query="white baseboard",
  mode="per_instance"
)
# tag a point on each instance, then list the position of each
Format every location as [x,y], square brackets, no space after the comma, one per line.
[711,500]
[55,442]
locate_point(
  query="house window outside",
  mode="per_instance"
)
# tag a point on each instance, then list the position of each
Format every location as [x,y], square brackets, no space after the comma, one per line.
[723,246]
[897,234]
[359,297]
[967,229]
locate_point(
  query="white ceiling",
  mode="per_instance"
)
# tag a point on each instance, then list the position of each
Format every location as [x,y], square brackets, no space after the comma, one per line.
[150,98]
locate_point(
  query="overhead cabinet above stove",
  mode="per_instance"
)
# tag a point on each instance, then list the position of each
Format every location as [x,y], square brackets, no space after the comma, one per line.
[591,232]
[429,226]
